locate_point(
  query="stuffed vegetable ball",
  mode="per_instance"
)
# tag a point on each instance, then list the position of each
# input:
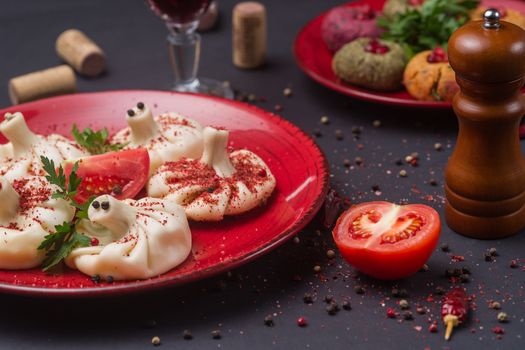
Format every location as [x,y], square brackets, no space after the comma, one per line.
[344,24]
[371,63]
[395,7]
[429,77]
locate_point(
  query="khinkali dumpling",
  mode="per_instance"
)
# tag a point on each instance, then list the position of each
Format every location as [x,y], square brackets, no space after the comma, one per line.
[137,239]
[27,215]
[167,137]
[216,185]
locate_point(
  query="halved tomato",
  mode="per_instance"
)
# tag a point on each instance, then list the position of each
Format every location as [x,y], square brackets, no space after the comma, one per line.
[122,174]
[385,240]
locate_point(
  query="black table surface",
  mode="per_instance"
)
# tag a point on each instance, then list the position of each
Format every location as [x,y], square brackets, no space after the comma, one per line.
[236,304]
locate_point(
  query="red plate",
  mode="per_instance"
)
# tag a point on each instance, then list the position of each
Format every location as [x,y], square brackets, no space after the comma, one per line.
[314,58]
[299,166]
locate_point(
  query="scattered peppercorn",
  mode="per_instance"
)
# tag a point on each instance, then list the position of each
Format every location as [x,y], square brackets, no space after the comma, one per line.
[359,290]
[296,240]
[376,123]
[216,334]
[421,310]
[399,162]
[117,190]
[356,130]
[325,120]
[302,322]
[375,188]
[95,278]
[155,341]
[488,257]
[399,293]
[308,299]
[424,268]
[339,134]
[186,334]
[403,304]
[268,321]
[287,92]
[502,317]
[513,264]
[358,160]
[347,163]
[407,315]
[438,146]
[403,173]
[346,305]
[332,308]
[464,278]
[104,205]
[492,251]
[317,133]
[317,268]
[328,299]
[433,182]
[495,305]
[439,290]
[109,279]
[330,254]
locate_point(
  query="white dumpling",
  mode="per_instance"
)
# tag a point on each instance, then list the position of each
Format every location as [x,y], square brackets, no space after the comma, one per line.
[218,184]
[27,215]
[167,137]
[137,239]
[23,152]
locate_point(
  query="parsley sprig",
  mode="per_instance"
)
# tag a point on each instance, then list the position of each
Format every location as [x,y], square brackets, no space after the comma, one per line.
[60,244]
[430,26]
[95,142]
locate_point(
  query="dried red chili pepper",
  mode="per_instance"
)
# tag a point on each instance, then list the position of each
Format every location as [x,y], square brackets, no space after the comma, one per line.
[454,309]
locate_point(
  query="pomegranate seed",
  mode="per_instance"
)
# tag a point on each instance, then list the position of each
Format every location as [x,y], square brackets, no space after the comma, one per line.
[498,330]
[433,328]
[301,322]
[94,241]
[382,50]
[439,51]
[262,173]
[390,313]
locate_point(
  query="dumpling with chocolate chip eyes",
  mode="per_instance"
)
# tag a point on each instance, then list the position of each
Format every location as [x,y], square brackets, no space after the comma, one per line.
[25,148]
[27,214]
[168,137]
[218,184]
[137,239]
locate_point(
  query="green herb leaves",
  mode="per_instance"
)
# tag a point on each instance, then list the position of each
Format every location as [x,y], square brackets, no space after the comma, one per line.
[59,245]
[95,142]
[429,27]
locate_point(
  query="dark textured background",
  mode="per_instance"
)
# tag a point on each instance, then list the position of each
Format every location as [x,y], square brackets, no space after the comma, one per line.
[133,39]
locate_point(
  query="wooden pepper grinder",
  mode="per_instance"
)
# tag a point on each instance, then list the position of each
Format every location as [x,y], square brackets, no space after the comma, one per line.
[485,176]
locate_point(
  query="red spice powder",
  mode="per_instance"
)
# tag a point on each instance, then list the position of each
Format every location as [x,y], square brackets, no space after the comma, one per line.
[31,192]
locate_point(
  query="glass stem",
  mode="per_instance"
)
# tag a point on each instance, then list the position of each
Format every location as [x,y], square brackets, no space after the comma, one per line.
[184,52]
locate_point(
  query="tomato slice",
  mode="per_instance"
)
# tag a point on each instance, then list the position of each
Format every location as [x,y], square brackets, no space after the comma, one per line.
[385,240]
[122,174]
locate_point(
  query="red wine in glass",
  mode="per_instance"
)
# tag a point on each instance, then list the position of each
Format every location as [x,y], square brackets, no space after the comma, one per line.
[180,11]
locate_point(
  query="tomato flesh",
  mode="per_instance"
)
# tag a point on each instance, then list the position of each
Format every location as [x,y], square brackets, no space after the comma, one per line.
[385,240]
[122,174]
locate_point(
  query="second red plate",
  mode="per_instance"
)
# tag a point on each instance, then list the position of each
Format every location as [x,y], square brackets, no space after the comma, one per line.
[314,58]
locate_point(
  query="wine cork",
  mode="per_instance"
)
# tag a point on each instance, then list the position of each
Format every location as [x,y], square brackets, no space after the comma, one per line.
[49,82]
[249,35]
[80,52]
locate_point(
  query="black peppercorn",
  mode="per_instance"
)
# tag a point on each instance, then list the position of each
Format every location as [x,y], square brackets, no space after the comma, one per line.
[131,112]
[187,335]
[95,278]
[308,299]
[328,299]
[109,279]
[268,321]
[346,305]
[216,334]
[407,315]
[445,247]
[359,290]
[332,308]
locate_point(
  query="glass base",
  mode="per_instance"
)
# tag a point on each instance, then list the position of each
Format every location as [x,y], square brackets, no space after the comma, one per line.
[208,87]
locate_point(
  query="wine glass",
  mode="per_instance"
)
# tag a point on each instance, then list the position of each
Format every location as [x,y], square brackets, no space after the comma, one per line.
[182,20]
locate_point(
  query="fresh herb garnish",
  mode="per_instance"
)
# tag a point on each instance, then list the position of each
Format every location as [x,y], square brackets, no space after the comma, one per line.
[59,245]
[95,142]
[429,27]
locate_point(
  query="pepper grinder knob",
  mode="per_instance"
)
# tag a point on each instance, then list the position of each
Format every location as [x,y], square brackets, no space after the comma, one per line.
[491,19]
[485,175]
